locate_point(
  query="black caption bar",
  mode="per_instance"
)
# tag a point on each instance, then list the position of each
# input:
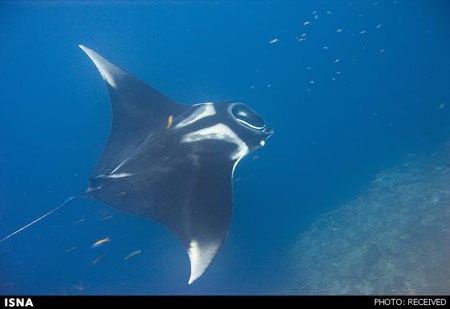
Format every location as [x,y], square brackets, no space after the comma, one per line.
[150,301]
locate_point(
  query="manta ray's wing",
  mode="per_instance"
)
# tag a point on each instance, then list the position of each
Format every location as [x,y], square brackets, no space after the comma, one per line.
[137,109]
[171,173]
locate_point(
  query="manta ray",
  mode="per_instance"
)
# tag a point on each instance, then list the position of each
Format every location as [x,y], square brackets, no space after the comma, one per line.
[172,163]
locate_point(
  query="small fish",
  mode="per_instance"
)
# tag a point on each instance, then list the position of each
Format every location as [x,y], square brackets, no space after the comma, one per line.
[100,242]
[274,41]
[306,23]
[169,121]
[339,30]
[325,47]
[328,12]
[378,26]
[78,286]
[98,258]
[70,249]
[301,37]
[107,218]
[132,254]
[363,32]
[80,221]
[337,60]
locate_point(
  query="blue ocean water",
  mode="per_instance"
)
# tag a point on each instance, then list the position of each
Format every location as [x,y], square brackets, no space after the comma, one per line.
[350,87]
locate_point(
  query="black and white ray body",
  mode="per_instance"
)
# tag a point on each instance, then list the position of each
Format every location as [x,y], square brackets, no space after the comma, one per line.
[173,163]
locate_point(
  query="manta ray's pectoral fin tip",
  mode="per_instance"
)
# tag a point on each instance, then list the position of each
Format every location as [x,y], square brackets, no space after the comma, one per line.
[191,279]
[201,256]
[87,50]
[108,70]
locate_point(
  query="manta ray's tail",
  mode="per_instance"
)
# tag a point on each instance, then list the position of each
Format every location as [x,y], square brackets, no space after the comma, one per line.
[66,202]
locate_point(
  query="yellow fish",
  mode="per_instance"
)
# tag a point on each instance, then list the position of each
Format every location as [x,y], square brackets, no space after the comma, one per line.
[100,242]
[169,121]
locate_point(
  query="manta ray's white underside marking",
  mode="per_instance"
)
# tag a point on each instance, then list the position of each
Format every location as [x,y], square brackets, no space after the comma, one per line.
[205,110]
[118,175]
[219,132]
[200,258]
[119,166]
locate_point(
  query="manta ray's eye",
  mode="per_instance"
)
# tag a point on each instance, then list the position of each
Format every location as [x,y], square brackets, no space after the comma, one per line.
[248,117]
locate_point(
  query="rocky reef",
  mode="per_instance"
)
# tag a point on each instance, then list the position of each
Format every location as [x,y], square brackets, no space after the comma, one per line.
[392,239]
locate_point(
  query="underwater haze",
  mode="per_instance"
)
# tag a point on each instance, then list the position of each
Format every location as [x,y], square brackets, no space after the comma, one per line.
[350,195]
